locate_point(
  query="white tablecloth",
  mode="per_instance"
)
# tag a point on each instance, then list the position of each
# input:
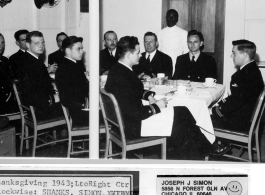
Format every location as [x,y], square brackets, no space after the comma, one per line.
[198,101]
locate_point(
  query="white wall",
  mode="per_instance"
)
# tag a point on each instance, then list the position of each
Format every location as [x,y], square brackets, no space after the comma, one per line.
[23,14]
[131,17]
[245,19]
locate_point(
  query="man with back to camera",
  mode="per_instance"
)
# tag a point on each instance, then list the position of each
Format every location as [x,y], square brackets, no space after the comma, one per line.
[153,61]
[186,140]
[56,57]
[110,55]
[235,111]
[8,103]
[172,40]
[16,58]
[36,86]
[195,65]
[71,81]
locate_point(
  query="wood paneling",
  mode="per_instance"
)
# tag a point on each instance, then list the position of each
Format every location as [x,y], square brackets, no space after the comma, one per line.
[165,7]
[182,6]
[202,19]
[219,38]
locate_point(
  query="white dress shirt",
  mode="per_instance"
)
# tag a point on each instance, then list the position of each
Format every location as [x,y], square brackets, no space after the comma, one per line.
[173,42]
[151,55]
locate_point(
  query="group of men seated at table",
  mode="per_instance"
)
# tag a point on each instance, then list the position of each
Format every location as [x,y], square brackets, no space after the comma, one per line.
[233,112]
[121,61]
[36,86]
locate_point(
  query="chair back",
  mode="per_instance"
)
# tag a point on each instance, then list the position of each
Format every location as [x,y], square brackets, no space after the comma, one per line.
[21,106]
[111,113]
[257,114]
[67,117]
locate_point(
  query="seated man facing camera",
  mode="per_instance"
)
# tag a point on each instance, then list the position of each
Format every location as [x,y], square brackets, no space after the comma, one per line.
[152,60]
[71,81]
[186,140]
[195,65]
[36,86]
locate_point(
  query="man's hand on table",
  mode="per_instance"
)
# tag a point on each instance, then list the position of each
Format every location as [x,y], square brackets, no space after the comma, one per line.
[162,103]
[142,76]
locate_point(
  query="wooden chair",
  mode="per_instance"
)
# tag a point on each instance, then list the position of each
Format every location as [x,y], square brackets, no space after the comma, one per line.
[112,115]
[77,131]
[37,126]
[245,138]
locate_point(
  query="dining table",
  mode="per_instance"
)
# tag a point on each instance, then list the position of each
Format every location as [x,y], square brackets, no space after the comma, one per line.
[198,99]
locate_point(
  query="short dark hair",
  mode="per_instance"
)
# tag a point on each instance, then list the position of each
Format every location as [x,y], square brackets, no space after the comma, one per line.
[2,35]
[33,34]
[175,12]
[20,32]
[110,31]
[126,44]
[150,34]
[246,46]
[59,34]
[199,34]
[195,32]
[70,41]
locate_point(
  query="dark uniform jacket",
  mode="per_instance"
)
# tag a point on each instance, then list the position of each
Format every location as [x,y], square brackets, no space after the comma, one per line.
[16,63]
[204,67]
[246,85]
[7,98]
[129,92]
[55,57]
[36,86]
[73,89]
[72,84]
[161,63]
[58,57]
[106,60]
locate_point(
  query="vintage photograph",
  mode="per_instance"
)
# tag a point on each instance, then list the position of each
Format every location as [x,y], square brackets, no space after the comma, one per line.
[174,80]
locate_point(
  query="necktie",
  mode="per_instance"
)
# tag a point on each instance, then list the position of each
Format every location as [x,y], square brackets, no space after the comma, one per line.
[148,59]
[111,54]
[193,59]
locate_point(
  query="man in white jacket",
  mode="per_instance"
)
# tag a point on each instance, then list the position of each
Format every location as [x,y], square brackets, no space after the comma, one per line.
[172,39]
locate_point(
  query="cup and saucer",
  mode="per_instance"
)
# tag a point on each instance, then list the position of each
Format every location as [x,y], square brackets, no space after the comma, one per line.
[183,90]
[210,82]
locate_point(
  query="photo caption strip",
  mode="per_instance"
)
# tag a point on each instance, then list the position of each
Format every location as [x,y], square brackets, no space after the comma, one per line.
[202,185]
[69,183]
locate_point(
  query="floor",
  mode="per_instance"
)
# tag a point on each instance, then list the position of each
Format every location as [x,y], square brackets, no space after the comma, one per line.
[59,150]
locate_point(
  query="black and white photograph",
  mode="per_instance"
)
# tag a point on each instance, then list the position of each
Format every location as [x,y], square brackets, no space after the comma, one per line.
[148,80]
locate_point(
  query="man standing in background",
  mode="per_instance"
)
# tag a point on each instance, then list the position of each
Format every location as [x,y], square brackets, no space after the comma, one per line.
[172,40]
